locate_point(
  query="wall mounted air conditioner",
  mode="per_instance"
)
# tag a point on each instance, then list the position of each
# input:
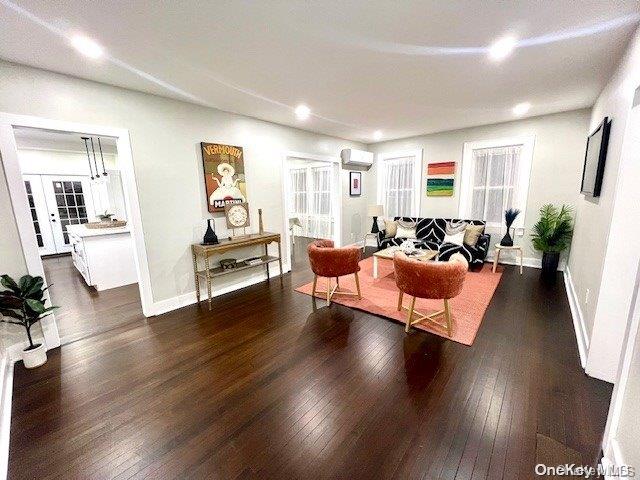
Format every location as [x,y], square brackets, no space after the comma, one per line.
[360,158]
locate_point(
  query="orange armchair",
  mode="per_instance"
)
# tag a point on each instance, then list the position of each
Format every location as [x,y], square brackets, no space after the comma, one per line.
[330,262]
[435,280]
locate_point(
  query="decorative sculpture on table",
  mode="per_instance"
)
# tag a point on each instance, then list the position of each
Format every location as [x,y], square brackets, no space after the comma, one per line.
[509,217]
[210,237]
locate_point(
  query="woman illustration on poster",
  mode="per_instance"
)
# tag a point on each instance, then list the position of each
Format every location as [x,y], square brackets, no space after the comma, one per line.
[228,187]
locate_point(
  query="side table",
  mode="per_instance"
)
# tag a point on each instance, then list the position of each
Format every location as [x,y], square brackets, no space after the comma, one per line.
[500,248]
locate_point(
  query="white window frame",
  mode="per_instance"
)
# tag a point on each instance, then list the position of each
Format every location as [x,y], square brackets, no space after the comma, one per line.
[524,174]
[417,180]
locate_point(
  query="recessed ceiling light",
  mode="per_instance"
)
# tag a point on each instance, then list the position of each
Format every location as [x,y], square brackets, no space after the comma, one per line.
[86,46]
[521,108]
[377,135]
[500,49]
[303,112]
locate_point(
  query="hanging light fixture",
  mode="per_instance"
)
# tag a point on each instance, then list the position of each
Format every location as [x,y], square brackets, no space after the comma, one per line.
[104,171]
[86,146]
[95,161]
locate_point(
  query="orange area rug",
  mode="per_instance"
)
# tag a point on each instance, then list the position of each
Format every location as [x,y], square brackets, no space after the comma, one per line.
[380,297]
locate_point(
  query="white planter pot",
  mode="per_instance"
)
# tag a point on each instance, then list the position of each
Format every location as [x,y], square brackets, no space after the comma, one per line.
[35,357]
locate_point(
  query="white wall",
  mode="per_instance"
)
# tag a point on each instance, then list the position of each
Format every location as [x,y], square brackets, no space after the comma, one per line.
[165,138]
[560,141]
[56,162]
[605,248]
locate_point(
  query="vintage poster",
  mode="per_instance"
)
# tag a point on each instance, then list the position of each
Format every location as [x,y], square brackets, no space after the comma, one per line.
[223,175]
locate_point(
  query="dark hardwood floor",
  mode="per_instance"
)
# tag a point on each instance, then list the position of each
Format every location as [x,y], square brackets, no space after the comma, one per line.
[83,310]
[273,384]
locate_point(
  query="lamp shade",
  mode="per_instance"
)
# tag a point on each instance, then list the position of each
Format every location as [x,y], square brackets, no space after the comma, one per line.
[375,211]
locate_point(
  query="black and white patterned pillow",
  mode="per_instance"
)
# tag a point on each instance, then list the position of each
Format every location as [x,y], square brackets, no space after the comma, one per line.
[431,229]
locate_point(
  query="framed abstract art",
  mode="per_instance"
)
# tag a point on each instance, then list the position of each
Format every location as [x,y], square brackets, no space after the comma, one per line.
[355,184]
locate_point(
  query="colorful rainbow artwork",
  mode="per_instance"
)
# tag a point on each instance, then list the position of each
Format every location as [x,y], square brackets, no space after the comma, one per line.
[440,178]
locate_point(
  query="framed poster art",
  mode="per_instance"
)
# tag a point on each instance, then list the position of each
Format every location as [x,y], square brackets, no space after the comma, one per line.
[224,176]
[355,184]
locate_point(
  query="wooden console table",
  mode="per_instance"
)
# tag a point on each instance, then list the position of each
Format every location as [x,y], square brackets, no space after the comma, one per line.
[205,251]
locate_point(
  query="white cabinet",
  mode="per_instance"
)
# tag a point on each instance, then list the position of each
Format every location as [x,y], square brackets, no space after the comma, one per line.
[103,256]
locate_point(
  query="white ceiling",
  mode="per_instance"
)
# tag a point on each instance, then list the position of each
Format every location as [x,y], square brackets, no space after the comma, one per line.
[360,65]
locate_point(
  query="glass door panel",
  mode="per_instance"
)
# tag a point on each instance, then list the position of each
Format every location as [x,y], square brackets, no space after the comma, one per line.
[39,214]
[69,201]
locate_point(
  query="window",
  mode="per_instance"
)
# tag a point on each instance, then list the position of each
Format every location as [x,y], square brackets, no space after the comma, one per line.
[495,177]
[399,177]
[299,191]
[310,199]
[320,221]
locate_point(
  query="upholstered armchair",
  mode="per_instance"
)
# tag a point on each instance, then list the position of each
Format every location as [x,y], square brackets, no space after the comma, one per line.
[330,262]
[434,280]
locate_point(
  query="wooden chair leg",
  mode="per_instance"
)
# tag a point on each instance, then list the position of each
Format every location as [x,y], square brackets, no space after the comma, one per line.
[328,290]
[410,314]
[400,294]
[358,286]
[447,315]
[315,283]
[338,281]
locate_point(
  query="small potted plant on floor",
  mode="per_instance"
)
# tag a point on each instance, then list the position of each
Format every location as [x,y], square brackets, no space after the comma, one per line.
[23,303]
[551,235]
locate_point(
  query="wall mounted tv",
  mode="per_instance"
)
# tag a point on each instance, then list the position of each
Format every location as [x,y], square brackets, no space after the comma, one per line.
[594,159]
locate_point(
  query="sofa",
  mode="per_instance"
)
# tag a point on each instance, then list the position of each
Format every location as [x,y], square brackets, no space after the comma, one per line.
[430,235]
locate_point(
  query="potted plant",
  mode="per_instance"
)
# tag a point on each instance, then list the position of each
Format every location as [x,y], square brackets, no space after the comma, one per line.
[509,217]
[551,235]
[23,303]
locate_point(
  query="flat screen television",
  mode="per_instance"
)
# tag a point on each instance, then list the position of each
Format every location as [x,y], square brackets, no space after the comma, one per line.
[594,159]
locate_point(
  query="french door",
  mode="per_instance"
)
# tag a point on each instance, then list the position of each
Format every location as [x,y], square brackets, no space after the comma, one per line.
[310,200]
[58,201]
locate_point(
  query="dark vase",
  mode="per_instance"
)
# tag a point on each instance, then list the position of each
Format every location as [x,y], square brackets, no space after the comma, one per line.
[550,262]
[210,237]
[507,241]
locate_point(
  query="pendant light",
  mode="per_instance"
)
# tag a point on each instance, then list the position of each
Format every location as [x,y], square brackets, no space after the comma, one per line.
[86,146]
[95,161]
[104,171]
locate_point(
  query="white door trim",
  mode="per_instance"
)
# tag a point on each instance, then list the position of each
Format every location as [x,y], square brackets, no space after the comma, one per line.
[336,201]
[9,153]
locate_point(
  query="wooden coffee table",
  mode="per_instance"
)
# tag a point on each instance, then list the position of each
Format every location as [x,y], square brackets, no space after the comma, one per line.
[388,253]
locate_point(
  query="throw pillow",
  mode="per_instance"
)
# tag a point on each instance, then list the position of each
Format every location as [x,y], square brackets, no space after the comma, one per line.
[472,234]
[390,228]
[406,230]
[456,238]
[455,227]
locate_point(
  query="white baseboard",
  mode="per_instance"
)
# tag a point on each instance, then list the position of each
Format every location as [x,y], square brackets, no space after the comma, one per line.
[189,298]
[613,459]
[578,319]
[6,392]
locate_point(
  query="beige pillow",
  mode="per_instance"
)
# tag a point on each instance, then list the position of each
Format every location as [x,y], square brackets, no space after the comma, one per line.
[390,228]
[406,230]
[472,234]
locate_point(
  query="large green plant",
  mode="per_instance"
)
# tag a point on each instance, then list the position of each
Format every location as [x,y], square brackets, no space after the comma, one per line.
[553,231]
[23,302]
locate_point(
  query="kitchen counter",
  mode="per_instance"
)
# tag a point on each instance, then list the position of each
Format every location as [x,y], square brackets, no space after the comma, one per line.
[104,256]
[82,231]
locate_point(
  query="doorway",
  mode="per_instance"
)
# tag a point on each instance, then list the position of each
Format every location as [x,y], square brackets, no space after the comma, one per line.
[312,203]
[74,194]
[62,191]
